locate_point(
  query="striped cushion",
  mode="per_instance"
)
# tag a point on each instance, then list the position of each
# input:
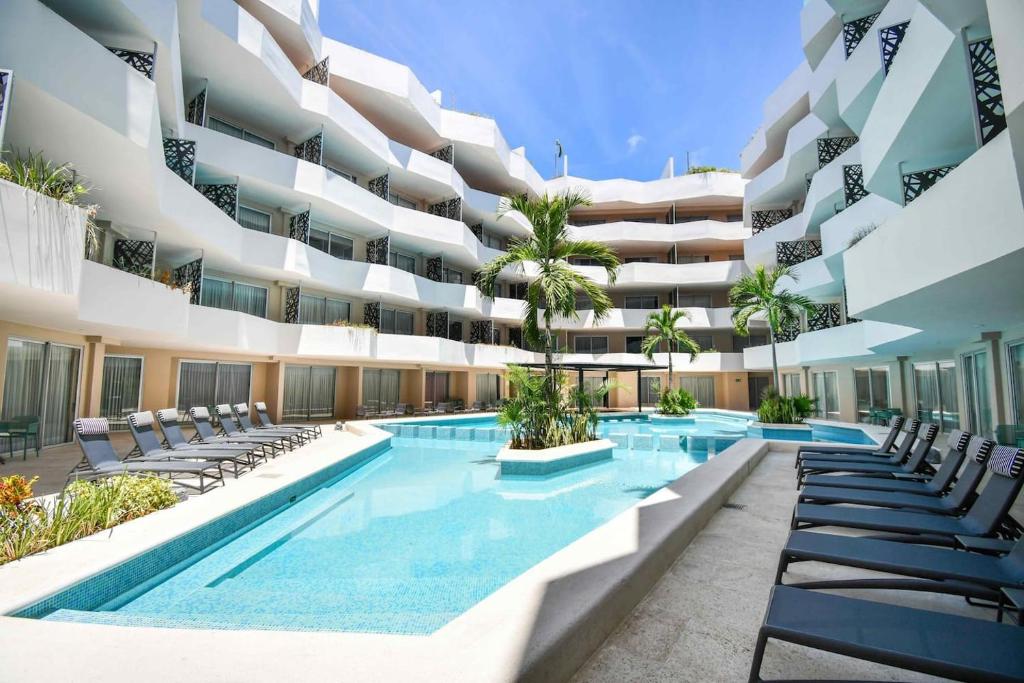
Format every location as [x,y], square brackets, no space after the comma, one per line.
[914,426]
[143,419]
[898,421]
[931,431]
[241,409]
[92,425]
[1007,461]
[224,410]
[260,405]
[199,413]
[167,415]
[979,449]
[958,440]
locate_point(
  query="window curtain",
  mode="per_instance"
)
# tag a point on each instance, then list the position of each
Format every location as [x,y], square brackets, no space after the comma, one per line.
[23,378]
[487,388]
[321,393]
[371,388]
[233,383]
[215,293]
[296,392]
[650,389]
[250,299]
[948,395]
[380,388]
[61,394]
[197,383]
[312,309]
[337,310]
[701,388]
[437,387]
[119,395]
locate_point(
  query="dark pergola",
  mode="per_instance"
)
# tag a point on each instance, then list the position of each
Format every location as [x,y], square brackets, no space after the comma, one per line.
[582,367]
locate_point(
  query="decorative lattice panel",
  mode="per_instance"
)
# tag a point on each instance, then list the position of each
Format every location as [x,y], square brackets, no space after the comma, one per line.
[830,148]
[180,157]
[854,31]
[445,154]
[437,324]
[312,150]
[478,231]
[298,227]
[377,250]
[196,111]
[379,186]
[762,220]
[224,197]
[455,330]
[292,301]
[143,62]
[189,277]
[434,268]
[853,184]
[988,94]
[890,38]
[515,337]
[788,332]
[449,208]
[371,315]
[481,332]
[319,72]
[824,317]
[134,256]
[917,183]
[797,251]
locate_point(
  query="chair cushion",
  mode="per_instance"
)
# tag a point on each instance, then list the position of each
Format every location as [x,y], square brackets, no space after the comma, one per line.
[980,449]
[199,413]
[167,415]
[224,410]
[241,409]
[143,419]
[260,405]
[1007,461]
[92,425]
[958,440]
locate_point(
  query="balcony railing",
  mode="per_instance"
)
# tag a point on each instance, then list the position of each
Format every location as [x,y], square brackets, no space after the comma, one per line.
[180,157]
[379,186]
[319,72]
[788,332]
[312,150]
[797,251]
[449,208]
[143,62]
[224,197]
[824,317]
[853,184]
[762,220]
[445,154]
[917,183]
[854,31]
[830,148]
[988,93]
[890,38]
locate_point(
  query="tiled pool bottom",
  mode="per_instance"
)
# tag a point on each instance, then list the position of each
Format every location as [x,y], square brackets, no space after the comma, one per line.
[403,544]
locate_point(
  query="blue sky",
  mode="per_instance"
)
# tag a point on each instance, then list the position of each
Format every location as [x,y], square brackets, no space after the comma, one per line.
[622,84]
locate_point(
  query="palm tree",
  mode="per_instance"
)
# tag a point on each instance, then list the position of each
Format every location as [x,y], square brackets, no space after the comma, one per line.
[758,294]
[552,292]
[661,327]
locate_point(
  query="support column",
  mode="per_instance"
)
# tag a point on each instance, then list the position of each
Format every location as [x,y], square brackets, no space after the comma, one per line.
[639,396]
[1000,411]
[274,390]
[579,388]
[92,376]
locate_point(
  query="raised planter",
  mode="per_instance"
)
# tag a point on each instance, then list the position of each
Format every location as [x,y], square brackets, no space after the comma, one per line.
[521,462]
[782,432]
[674,419]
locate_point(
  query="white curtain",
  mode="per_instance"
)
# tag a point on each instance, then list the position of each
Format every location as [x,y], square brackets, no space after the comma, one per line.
[487,388]
[233,383]
[41,381]
[197,383]
[119,396]
[437,387]
[321,393]
[312,309]
[371,388]
[60,398]
[389,381]
[23,378]
[296,392]
[215,293]
[250,299]
[650,390]
[337,310]
[702,389]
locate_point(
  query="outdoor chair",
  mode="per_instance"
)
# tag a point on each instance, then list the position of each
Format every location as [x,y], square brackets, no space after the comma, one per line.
[885,450]
[947,645]
[174,438]
[150,448]
[100,459]
[241,413]
[906,460]
[264,417]
[204,430]
[229,427]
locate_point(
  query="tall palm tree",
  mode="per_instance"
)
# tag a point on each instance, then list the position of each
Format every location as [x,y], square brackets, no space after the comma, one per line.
[546,252]
[661,326]
[758,294]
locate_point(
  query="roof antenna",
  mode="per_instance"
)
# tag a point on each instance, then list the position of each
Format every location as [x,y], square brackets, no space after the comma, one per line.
[559,151]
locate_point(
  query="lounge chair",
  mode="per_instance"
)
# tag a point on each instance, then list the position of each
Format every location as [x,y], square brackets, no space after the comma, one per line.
[955,502]
[204,429]
[986,516]
[946,645]
[920,484]
[264,418]
[364,413]
[174,438]
[100,459]
[401,410]
[885,449]
[229,427]
[914,462]
[897,455]
[241,413]
[149,447]
[476,407]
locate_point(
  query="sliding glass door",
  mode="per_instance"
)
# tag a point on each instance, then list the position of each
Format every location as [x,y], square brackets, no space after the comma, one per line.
[381,389]
[872,385]
[979,408]
[308,392]
[41,381]
[701,388]
[488,388]
[935,390]
[826,390]
[209,383]
[120,393]
[438,387]
[1015,361]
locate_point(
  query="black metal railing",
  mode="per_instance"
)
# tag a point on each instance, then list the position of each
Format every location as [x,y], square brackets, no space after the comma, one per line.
[143,62]
[312,150]
[448,208]
[830,148]
[224,197]
[853,184]
[824,317]
[180,157]
[917,183]
[988,93]
[797,251]
[854,31]
[319,72]
[762,220]
[446,154]
[379,186]
[788,332]
[890,38]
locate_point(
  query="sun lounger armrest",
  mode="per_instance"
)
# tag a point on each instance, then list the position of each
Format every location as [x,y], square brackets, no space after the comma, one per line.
[1015,597]
[908,476]
[989,546]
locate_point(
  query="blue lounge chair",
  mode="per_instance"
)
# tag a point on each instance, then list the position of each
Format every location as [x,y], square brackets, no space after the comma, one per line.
[241,414]
[886,448]
[141,427]
[174,438]
[901,452]
[901,463]
[204,430]
[229,427]
[264,417]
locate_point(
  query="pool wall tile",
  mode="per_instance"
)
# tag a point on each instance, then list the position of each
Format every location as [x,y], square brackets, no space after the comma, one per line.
[621,440]
[408,431]
[443,433]
[464,433]
[668,442]
[427,432]
[642,442]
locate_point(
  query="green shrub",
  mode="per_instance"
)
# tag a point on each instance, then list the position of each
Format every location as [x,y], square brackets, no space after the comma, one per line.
[776,409]
[678,402]
[536,421]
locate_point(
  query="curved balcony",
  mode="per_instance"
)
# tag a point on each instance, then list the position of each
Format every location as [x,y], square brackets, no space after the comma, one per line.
[819,26]
[785,180]
[783,108]
[707,189]
[661,235]
[635,319]
[843,344]
[655,275]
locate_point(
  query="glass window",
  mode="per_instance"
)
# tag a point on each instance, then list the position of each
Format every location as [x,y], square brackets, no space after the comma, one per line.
[826,391]
[453,276]
[702,388]
[935,390]
[633,344]
[320,239]
[1015,360]
[694,301]
[234,296]
[344,174]
[650,389]
[690,219]
[792,384]
[488,388]
[41,381]
[872,388]
[589,344]
[381,389]
[437,387]
[395,322]
[640,219]
[735,257]
[402,262]
[739,343]
[705,341]
[584,222]
[207,384]
[337,311]
[583,261]
[398,200]
[693,258]
[308,392]
[493,241]
[222,126]
[257,140]
[253,219]
[979,409]
[641,301]
[641,259]
[120,391]
[341,247]
[734,218]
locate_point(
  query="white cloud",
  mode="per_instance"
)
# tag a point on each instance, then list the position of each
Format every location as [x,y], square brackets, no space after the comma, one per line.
[634,141]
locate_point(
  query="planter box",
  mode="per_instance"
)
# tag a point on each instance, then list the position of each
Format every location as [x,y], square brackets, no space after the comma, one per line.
[784,432]
[674,419]
[519,462]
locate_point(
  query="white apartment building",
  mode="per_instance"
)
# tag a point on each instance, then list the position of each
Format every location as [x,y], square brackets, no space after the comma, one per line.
[285,218]
[888,172]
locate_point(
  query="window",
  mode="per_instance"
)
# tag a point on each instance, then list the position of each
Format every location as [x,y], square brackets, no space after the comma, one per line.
[493,241]
[1015,361]
[642,301]
[694,301]
[344,174]
[402,262]
[641,259]
[308,392]
[640,219]
[222,126]
[735,257]
[935,389]
[452,276]
[437,387]
[979,407]
[734,218]
[650,389]
[792,384]
[234,296]
[739,343]
[488,388]
[208,383]
[398,200]
[826,390]
[320,310]
[253,219]
[393,321]
[705,341]
[584,222]
[120,393]
[587,344]
[583,261]
[331,243]
[690,219]
[693,258]
[381,389]
[702,388]
[41,380]
[872,387]
[633,344]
